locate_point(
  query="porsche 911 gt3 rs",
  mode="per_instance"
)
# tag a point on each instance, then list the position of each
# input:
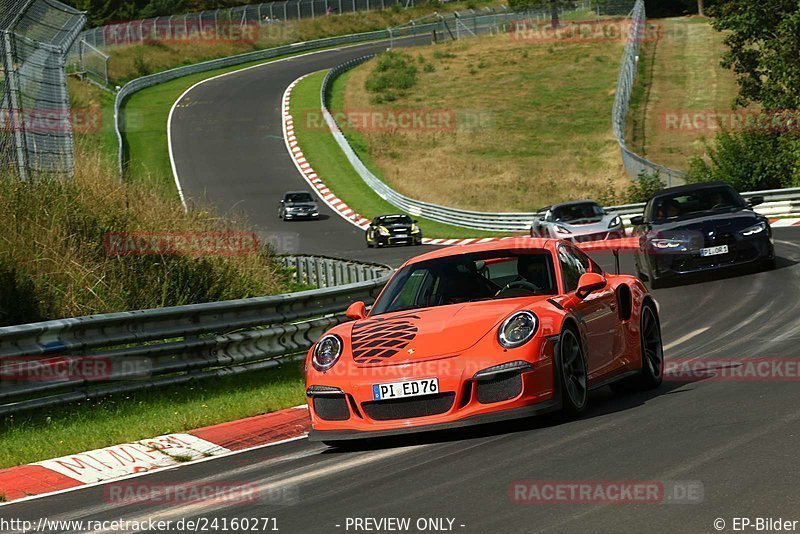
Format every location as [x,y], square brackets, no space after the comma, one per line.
[480,333]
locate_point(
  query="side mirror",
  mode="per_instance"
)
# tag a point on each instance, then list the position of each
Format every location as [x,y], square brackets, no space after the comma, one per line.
[356,311]
[755,201]
[637,221]
[415,221]
[589,283]
[282,201]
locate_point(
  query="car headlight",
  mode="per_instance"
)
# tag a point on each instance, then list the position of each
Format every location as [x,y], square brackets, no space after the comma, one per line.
[383,230]
[616,221]
[756,229]
[414,229]
[517,329]
[326,352]
[668,244]
[562,229]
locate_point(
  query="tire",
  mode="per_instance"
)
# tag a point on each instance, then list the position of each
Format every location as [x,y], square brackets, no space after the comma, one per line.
[573,376]
[652,373]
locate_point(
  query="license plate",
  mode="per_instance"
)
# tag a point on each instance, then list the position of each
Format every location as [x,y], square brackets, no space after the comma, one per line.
[408,388]
[401,235]
[714,251]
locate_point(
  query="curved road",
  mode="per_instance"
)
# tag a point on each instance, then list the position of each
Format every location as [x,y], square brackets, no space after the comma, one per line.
[737,439]
[228,150]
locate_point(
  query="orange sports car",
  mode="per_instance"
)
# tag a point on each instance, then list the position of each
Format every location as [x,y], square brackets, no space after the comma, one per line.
[479,333]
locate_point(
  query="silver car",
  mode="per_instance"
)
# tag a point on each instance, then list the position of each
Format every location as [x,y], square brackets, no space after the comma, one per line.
[578,221]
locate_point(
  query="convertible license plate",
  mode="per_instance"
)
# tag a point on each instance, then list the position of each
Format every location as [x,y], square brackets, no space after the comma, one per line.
[408,388]
[714,251]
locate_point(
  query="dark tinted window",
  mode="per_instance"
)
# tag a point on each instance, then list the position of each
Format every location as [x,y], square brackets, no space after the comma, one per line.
[694,202]
[468,277]
[576,212]
[299,197]
[393,219]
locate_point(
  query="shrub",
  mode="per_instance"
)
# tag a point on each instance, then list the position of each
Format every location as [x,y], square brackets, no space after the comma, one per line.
[394,72]
[644,187]
[750,160]
[54,264]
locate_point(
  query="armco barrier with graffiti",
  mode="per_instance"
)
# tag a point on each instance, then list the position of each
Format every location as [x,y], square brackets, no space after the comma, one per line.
[68,360]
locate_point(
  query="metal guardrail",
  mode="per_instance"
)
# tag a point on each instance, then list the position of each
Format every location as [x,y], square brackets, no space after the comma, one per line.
[634,163]
[57,362]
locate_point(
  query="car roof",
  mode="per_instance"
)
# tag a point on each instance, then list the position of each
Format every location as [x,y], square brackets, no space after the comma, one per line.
[688,188]
[391,215]
[497,244]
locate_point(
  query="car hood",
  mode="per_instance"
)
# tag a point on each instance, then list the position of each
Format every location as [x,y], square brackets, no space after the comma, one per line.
[428,333]
[590,226]
[720,223]
[399,226]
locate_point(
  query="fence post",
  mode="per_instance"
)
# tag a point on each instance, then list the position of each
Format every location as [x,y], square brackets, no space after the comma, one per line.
[12,75]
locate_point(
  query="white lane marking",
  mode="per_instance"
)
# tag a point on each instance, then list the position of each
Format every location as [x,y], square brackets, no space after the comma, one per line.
[685,338]
[201,82]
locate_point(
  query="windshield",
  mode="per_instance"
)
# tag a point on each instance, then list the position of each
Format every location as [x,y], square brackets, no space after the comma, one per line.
[299,197]
[469,277]
[394,219]
[576,212]
[696,202]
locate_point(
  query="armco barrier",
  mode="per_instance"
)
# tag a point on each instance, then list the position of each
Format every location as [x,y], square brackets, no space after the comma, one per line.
[56,362]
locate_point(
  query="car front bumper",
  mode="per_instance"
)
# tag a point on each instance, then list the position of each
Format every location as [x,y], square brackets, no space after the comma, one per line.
[741,252]
[461,399]
[301,215]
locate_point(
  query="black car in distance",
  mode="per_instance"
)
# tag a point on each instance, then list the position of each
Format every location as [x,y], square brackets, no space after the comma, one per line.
[700,227]
[393,230]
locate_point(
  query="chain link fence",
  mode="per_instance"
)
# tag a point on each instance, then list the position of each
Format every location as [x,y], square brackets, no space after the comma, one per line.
[222,20]
[36,136]
[635,164]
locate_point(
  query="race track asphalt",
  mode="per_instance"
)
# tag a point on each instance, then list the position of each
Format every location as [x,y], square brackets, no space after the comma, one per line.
[737,439]
[229,152]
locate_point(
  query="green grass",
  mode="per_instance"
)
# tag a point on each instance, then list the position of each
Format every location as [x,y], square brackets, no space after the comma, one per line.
[57,432]
[680,72]
[331,165]
[532,124]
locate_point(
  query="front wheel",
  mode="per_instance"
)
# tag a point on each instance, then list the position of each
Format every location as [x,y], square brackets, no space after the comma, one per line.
[574,381]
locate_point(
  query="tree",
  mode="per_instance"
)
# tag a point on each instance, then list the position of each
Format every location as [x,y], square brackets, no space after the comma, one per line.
[764,51]
[701,8]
